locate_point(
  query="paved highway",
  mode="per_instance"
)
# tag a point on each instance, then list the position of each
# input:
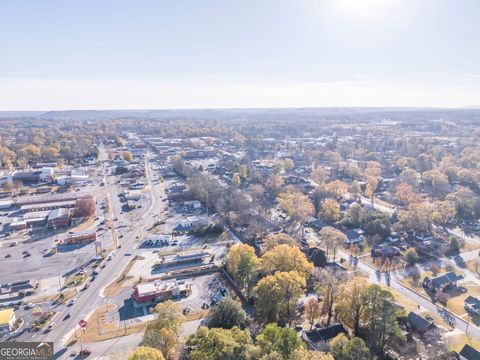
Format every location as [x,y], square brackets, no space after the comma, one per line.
[92,297]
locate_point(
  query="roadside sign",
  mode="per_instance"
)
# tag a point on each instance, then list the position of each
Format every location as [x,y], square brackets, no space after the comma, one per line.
[82,323]
[37,311]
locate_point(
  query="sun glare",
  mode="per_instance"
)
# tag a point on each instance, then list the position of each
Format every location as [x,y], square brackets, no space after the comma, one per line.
[364,10]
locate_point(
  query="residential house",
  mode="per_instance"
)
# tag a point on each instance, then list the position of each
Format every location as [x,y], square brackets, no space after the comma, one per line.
[469,353]
[472,305]
[419,323]
[315,223]
[354,236]
[318,339]
[442,282]
[385,250]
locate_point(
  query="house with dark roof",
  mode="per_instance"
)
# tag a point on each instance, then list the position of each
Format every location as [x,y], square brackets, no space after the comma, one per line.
[385,250]
[442,282]
[469,353]
[319,338]
[354,236]
[472,305]
[315,223]
[419,323]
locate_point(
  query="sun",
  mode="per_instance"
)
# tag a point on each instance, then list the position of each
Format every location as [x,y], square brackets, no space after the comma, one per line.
[364,10]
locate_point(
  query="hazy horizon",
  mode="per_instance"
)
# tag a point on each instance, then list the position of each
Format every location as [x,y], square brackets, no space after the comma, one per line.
[269,54]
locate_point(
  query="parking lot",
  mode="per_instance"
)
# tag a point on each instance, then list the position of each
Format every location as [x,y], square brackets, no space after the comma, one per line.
[207,290]
[28,254]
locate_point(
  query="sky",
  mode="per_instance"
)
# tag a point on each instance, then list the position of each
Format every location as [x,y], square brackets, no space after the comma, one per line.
[139,54]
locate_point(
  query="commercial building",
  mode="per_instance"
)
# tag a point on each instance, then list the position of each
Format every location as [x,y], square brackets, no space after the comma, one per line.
[23,288]
[157,291]
[189,224]
[5,204]
[48,206]
[132,195]
[184,258]
[7,320]
[81,237]
[59,217]
[44,199]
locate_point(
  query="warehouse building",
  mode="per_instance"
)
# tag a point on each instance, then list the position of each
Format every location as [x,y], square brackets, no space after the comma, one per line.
[59,218]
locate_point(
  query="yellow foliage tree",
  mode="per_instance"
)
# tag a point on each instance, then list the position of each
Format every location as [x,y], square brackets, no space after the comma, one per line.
[146,353]
[286,258]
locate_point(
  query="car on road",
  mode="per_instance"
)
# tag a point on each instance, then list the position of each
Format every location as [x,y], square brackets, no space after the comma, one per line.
[50,327]
[28,306]
[8,255]
[13,244]
[67,317]
[71,302]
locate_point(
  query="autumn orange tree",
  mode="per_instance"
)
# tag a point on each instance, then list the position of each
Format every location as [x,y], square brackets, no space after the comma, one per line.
[272,240]
[312,311]
[406,194]
[338,188]
[297,206]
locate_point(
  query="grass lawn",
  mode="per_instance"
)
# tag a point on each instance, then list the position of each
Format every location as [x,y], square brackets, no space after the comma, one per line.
[75,280]
[408,280]
[457,299]
[470,246]
[406,302]
[458,341]
[472,266]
